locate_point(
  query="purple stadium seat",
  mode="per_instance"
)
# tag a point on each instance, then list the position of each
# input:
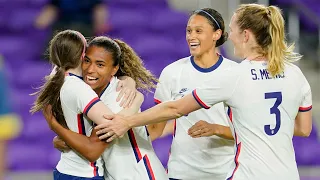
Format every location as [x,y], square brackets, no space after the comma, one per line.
[19,48]
[28,156]
[22,19]
[149,45]
[21,100]
[36,126]
[138,3]
[167,20]
[53,158]
[310,22]
[33,79]
[37,3]
[308,149]
[307,152]
[127,19]
[282,2]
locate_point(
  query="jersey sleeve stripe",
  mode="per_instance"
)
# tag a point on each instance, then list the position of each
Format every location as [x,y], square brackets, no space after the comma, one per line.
[305,109]
[134,145]
[90,104]
[201,103]
[156,101]
[149,168]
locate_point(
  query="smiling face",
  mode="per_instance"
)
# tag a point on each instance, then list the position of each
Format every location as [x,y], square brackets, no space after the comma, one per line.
[199,35]
[97,68]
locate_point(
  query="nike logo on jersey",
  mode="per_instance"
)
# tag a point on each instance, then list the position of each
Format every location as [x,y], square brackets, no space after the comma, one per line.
[183,90]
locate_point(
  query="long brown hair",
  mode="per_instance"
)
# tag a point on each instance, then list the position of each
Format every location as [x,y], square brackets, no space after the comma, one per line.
[130,64]
[65,51]
[267,24]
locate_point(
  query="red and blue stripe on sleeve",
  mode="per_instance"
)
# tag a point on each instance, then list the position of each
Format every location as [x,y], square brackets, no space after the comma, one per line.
[89,105]
[201,103]
[305,109]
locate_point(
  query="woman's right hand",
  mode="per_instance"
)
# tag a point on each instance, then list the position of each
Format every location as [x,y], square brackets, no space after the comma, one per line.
[60,144]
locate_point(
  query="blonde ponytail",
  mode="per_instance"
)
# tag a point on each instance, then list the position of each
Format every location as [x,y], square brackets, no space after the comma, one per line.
[278,51]
[267,24]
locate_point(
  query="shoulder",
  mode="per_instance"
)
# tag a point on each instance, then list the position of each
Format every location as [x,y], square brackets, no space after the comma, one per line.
[70,81]
[230,62]
[227,63]
[74,85]
[293,67]
[293,70]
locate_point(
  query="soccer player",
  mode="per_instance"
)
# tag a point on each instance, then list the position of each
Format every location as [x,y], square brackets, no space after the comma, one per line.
[133,154]
[71,99]
[269,96]
[208,157]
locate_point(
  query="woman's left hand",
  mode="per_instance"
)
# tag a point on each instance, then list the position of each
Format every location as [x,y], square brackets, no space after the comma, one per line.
[127,88]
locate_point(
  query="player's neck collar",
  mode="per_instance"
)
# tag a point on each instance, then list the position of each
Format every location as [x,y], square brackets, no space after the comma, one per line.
[206,70]
[71,74]
[104,90]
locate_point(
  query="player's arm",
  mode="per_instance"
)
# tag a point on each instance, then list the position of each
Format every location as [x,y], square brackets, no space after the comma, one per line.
[135,107]
[128,91]
[303,124]
[205,129]
[160,113]
[86,101]
[163,93]
[303,121]
[204,97]
[89,147]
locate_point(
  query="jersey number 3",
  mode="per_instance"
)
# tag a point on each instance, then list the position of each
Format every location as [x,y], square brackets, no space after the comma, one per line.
[274,110]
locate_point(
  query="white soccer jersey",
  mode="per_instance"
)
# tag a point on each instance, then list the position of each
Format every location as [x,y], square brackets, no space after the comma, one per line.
[131,157]
[195,158]
[76,99]
[264,111]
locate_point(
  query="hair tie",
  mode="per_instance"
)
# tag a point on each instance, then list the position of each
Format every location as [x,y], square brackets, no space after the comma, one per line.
[200,10]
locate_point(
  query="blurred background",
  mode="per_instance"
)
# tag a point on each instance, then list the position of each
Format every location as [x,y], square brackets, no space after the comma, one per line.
[156,30]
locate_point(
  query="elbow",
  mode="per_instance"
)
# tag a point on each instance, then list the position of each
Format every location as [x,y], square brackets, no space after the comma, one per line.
[92,157]
[175,110]
[304,132]
[90,154]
